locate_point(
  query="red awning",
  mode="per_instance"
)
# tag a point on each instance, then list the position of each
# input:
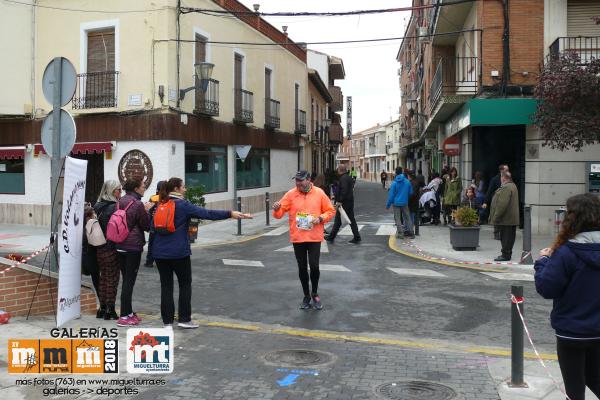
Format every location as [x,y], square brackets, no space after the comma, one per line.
[81,148]
[12,153]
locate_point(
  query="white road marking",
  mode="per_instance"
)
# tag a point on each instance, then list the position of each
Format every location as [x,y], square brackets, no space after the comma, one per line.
[510,276]
[333,267]
[417,272]
[290,249]
[347,231]
[278,231]
[243,263]
[386,230]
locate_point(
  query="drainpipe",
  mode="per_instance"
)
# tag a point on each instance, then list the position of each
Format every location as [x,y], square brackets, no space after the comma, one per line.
[178,35]
[505,50]
[33,43]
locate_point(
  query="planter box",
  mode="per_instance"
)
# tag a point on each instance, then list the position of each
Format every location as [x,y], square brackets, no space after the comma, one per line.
[464,238]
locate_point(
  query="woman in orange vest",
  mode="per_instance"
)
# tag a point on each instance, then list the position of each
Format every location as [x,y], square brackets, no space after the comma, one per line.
[308,209]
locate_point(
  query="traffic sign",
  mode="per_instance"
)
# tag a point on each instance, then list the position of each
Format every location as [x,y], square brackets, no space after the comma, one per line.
[67,134]
[451,146]
[242,151]
[68,80]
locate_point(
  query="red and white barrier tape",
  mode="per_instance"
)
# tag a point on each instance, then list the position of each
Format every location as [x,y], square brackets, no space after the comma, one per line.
[421,253]
[519,300]
[24,260]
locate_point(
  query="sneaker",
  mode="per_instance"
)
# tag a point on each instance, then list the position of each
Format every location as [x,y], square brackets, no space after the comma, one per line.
[305,303]
[188,325]
[355,240]
[168,326]
[317,302]
[502,258]
[127,321]
[135,316]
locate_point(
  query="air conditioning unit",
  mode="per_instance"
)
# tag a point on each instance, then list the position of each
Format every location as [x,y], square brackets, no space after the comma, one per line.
[423,34]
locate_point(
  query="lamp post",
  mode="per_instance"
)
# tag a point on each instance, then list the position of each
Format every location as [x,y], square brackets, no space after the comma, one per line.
[326,126]
[204,72]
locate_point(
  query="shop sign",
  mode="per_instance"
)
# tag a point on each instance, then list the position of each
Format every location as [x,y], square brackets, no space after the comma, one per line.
[459,121]
[135,164]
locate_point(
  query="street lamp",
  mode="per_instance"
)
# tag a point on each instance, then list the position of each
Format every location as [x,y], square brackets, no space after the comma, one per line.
[326,124]
[204,72]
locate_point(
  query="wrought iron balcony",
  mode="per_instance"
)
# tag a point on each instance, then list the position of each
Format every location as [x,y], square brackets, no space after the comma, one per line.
[243,106]
[207,101]
[585,47]
[454,77]
[336,134]
[96,90]
[272,116]
[338,99]
[300,123]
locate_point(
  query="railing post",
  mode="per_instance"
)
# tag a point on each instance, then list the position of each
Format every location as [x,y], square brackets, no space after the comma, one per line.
[526,257]
[267,207]
[239,222]
[516,377]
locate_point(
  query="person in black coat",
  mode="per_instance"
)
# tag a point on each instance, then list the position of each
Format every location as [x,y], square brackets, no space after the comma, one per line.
[344,197]
[494,185]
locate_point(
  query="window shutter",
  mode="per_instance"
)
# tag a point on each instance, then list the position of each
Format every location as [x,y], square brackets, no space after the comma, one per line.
[101,50]
[579,18]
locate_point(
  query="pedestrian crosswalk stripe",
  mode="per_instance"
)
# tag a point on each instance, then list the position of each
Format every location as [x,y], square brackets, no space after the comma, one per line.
[386,230]
[243,263]
[510,276]
[347,230]
[278,231]
[333,267]
[324,248]
[417,272]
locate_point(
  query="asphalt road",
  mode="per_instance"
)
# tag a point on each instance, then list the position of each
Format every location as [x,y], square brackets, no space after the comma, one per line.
[461,306]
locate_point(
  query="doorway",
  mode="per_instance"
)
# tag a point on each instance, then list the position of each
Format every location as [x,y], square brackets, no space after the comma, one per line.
[94,176]
[495,145]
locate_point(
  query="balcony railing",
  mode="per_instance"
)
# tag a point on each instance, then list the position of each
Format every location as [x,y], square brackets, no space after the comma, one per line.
[585,47]
[243,106]
[454,77]
[207,101]
[300,123]
[338,99]
[96,90]
[336,134]
[272,119]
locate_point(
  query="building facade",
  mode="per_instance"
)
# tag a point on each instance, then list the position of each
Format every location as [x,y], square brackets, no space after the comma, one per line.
[392,146]
[141,110]
[467,98]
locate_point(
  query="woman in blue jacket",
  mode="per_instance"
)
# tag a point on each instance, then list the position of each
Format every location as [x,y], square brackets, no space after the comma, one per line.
[172,252]
[569,273]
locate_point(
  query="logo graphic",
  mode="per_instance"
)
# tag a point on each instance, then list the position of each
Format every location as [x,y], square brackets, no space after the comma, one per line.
[55,356]
[135,164]
[23,356]
[150,351]
[67,303]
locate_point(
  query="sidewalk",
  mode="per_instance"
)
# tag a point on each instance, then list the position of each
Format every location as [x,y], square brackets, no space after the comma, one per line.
[25,239]
[433,244]
[225,359]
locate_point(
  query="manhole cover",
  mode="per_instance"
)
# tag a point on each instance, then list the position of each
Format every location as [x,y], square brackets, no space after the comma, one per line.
[415,390]
[297,358]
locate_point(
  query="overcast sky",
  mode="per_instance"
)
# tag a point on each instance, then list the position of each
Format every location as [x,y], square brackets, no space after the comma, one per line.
[371,68]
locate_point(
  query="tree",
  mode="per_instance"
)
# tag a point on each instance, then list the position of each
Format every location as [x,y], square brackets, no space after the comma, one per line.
[568,110]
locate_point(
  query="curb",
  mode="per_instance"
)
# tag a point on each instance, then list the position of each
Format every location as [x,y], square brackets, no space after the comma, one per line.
[392,245]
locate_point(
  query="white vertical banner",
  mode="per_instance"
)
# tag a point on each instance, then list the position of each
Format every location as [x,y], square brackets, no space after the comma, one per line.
[69,241]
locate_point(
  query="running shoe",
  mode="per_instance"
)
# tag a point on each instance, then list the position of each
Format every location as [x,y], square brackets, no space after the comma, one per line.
[188,325]
[135,316]
[317,302]
[305,303]
[127,321]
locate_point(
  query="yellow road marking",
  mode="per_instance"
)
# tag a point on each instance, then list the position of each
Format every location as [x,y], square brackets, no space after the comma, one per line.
[392,245]
[327,335]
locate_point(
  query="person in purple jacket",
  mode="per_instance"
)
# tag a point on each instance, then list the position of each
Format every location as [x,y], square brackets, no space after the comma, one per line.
[130,250]
[569,274]
[172,252]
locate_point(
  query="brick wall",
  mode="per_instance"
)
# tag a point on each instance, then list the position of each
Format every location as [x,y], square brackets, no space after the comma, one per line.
[526,20]
[18,285]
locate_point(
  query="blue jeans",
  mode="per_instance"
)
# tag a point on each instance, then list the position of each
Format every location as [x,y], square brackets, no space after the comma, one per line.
[402,214]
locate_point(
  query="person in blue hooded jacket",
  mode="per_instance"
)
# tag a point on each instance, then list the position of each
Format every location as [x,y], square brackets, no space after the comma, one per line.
[569,274]
[172,252]
[398,195]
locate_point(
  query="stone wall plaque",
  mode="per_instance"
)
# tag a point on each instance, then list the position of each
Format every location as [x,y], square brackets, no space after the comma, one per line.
[135,164]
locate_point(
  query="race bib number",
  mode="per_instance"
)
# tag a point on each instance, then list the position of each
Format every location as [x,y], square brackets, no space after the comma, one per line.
[304,221]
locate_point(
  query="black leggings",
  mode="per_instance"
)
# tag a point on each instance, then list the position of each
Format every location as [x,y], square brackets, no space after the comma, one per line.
[182,267]
[579,362]
[308,253]
[130,263]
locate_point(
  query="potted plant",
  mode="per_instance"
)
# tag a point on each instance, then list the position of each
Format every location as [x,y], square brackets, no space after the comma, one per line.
[195,195]
[464,232]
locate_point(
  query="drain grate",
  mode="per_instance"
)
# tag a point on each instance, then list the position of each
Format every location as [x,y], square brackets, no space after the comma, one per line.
[297,358]
[415,390]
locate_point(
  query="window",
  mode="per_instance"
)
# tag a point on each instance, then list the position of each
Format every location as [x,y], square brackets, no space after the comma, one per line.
[207,166]
[255,171]
[12,176]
